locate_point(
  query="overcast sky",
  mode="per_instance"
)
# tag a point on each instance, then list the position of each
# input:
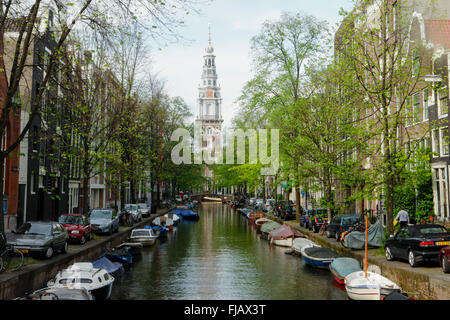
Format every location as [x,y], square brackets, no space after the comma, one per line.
[233,24]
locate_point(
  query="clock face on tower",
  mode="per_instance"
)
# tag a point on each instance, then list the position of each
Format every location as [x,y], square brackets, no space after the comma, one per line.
[209,93]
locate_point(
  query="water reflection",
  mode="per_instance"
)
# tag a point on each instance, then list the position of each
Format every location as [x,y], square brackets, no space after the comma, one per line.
[222,257]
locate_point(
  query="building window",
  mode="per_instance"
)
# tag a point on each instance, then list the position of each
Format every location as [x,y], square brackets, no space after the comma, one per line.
[442,100]
[444,141]
[425,104]
[441,191]
[435,143]
[416,108]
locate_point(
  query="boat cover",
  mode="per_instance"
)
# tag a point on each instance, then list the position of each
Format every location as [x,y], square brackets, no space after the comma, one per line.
[345,266]
[320,253]
[357,239]
[185,212]
[285,231]
[111,267]
[270,226]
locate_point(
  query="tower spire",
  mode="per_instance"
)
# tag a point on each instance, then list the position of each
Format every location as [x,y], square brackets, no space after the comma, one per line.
[209,31]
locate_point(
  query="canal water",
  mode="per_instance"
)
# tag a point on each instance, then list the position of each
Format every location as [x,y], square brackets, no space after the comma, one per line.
[222,257]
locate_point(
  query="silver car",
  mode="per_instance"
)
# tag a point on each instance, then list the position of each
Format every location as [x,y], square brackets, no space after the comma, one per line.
[144,209]
[39,238]
[104,220]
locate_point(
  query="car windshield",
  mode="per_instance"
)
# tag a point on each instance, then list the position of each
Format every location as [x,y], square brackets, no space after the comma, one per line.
[433,230]
[70,219]
[35,228]
[131,207]
[101,214]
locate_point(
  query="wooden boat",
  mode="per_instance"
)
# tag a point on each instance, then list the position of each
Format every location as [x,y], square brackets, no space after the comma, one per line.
[83,275]
[260,222]
[253,216]
[318,257]
[300,243]
[212,199]
[366,285]
[284,236]
[341,267]
[146,237]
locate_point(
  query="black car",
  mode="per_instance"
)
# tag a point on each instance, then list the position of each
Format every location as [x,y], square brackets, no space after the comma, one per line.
[40,238]
[417,243]
[341,223]
[285,210]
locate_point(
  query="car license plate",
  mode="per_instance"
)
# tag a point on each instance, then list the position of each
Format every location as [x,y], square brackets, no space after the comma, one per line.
[443,243]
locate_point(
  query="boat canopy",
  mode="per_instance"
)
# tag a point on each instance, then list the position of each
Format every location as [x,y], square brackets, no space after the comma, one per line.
[270,226]
[344,266]
[284,232]
[357,239]
[108,265]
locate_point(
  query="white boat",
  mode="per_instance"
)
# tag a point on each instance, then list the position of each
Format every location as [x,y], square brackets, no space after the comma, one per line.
[282,242]
[83,275]
[367,285]
[372,287]
[145,236]
[300,243]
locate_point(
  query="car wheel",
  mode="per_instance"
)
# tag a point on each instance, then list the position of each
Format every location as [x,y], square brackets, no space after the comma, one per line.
[445,264]
[388,254]
[412,259]
[328,234]
[65,248]
[49,253]
[83,240]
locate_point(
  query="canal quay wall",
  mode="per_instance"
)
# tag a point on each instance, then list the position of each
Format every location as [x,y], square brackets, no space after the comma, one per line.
[424,283]
[33,277]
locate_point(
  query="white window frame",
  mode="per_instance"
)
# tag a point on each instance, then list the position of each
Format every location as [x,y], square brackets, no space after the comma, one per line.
[435,148]
[443,141]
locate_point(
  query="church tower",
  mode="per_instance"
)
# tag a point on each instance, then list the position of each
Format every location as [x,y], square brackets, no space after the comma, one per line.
[209,117]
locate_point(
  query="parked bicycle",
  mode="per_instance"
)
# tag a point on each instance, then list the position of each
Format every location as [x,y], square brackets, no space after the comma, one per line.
[10,258]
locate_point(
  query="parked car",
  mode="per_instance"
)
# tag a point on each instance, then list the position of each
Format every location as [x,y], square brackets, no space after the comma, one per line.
[341,223]
[77,226]
[417,243]
[444,259]
[104,220]
[40,239]
[133,209]
[284,210]
[144,209]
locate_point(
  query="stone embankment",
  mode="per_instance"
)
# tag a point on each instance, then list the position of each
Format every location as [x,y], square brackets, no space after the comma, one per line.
[33,277]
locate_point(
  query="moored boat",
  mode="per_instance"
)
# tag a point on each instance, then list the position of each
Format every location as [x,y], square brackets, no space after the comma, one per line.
[260,222]
[83,275]
[318,257]
[146,236]
[367,285]
[300,243]
[134,248]
[370,286]
[268,227]
[159,231]
[113,268]
[186,214]
[284,236]
[343,266]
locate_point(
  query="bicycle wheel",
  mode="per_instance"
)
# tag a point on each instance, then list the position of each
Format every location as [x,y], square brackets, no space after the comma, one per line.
[16,259]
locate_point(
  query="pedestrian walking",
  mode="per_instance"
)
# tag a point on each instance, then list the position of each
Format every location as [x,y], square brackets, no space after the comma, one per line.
[402,217]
